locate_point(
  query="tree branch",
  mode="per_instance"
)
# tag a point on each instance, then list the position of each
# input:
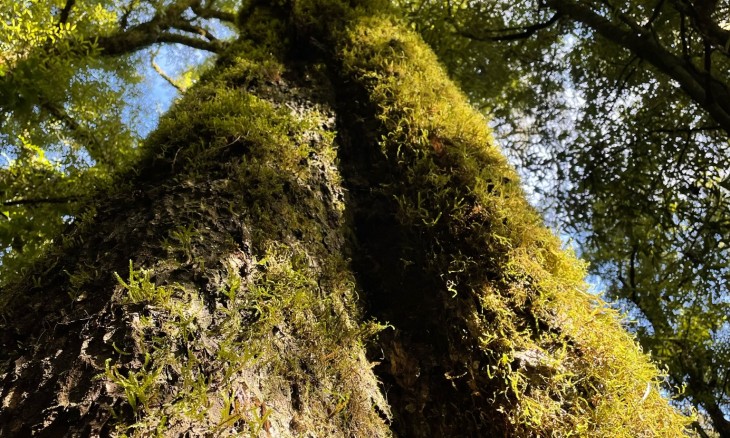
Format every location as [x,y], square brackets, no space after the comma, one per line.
[216,46]
[209,12]
[58,200]
[700,12]
[700,430]
[694,83]
[524,33]
[66,11]
[148,34]
[655,13]
[156,31]
[124,18]
[165,76]
[709,402]
[190,28]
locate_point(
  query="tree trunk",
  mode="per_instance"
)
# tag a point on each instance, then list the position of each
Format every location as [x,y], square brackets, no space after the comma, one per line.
[322,241]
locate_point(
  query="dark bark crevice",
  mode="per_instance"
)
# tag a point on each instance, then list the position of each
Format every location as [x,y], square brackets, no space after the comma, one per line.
[416,357]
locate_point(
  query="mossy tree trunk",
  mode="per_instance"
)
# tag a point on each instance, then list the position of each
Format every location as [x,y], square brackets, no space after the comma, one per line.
[324,180]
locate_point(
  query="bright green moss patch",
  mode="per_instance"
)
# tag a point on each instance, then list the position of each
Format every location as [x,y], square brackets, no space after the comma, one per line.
[552,359]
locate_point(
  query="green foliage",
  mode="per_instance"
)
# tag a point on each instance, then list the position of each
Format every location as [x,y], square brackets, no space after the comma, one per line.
[55,90]
[63,132]
[140,289]
[60,128]
[137,386]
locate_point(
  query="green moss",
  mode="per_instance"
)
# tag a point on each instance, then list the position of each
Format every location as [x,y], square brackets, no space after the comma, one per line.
[272,341]
[278,347]
[554,358]
[278,328]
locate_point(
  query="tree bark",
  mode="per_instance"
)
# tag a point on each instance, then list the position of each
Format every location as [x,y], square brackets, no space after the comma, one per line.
[312,188]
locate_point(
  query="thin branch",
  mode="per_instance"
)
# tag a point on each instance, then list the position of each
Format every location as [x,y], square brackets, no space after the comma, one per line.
[205,33]
[625,75]
[525,32]
[721,424]
[216,46]
[708,69]
[78,132]
[639,29]
[632,267]
[59,200]
[165,76]
[700,430]
[700,11]
[124,18]
[66,11]
[685,40]
[655,13]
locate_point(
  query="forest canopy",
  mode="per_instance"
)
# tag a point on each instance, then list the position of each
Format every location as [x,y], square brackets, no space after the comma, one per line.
[617,114]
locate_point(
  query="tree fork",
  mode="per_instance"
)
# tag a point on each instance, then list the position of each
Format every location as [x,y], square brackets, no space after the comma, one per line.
[241,311]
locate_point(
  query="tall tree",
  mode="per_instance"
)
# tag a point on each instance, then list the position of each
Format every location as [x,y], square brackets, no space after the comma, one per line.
[622,105]
[323,176]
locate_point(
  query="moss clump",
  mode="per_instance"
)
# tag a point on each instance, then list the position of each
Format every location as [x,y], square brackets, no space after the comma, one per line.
[267,339]
[533,346]
[199,371]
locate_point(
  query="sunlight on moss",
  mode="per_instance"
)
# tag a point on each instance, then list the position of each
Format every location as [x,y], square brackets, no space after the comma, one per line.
[280,345]
[563,362]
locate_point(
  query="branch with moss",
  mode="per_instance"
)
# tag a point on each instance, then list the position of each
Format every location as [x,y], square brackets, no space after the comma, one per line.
[154,32]
[208,11]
